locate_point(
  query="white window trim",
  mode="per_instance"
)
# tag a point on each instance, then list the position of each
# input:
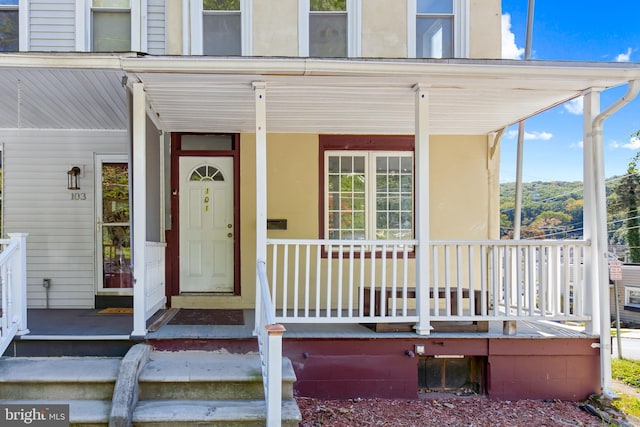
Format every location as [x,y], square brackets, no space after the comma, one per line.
[460,28]
[627,291]
[369,186]
[192,34]
[84,34]
[23,22]
[354,28]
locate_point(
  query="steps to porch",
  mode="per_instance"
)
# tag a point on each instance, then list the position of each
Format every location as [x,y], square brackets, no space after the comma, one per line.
[172,388]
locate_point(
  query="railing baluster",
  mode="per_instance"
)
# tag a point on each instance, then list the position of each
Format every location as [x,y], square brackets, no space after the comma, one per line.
[307,273]
[285,282]
[329,278]
[372,282]
[459,280]
[447,281]
[340,287]
[350,308]
[361,286]
[472,308]
[405,279]
[436,268]
[394,279]
[544,279]
[483,280]
[533,268]
[508,279]
[383,278]
[274,277]
[296,280]
[318,282]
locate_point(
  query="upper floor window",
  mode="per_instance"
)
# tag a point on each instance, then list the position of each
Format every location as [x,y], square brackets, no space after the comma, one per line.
[9,19]
[437,28]
[111,25]
[329,28]
[221,27]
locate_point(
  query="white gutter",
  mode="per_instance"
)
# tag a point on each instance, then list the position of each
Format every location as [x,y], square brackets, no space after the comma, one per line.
[600,238]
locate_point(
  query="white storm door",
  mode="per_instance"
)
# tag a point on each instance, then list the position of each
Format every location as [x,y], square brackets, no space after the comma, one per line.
[206,224]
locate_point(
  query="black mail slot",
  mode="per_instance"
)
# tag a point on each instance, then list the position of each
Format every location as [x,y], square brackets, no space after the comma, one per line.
[276,224]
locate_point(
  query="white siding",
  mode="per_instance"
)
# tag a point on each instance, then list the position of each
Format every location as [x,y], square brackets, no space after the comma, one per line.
[61,237]
[52,25]
[156,27]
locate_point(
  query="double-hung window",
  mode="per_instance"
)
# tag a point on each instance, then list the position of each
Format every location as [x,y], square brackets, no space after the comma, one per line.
[9,24]
[368,195]
[329,28]
[438,28]
[220,27]
[111,25]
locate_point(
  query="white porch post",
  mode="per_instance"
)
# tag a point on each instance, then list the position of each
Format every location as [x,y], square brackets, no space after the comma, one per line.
[591,273]
[139,207]
[261,189]
[423,268]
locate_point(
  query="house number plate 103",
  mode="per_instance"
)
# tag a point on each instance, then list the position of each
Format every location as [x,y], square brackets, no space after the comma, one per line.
[78,196]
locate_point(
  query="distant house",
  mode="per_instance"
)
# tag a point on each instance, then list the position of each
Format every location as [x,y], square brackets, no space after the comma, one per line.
[177,153]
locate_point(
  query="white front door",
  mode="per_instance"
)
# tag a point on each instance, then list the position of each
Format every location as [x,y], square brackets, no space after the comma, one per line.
[206,224]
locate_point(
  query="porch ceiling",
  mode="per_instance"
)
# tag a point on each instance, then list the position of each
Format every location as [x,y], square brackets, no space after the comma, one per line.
[49,98]
[361,96]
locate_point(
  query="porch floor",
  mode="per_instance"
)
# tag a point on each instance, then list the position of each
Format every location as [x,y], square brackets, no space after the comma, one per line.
[66,323]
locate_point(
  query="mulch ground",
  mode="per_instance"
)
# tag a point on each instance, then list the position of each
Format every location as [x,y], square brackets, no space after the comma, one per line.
[473,411]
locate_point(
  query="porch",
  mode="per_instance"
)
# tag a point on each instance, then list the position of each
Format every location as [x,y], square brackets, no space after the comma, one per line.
[353,352]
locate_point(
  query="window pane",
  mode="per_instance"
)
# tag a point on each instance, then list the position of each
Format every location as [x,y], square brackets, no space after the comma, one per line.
[111,31]
[221,5]
[394,197]
[328,5]
[206,142]
[121,4]
[434,38]
[9,2]
[328,35]
[9,31]
[435,6]
[634,296]
[334,163]
[221,34]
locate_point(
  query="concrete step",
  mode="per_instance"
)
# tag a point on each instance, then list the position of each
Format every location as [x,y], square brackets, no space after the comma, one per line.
[58,378]
[210,412]
[206,375]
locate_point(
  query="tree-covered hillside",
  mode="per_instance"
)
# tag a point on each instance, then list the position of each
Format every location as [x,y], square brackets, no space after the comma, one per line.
[553,210]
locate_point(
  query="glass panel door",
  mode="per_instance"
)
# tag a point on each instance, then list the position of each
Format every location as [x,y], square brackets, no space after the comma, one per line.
[114,226]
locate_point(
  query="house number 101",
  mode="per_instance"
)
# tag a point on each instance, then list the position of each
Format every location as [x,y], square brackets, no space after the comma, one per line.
[78,196]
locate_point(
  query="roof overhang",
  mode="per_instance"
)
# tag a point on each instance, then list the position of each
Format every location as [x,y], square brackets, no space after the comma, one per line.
[364,96]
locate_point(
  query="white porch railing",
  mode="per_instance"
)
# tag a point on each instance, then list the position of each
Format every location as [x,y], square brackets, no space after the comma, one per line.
[13,277]
[270,348]
[154,265]
[468,281]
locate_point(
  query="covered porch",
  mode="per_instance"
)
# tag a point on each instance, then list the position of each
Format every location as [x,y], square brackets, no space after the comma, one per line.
[311,281]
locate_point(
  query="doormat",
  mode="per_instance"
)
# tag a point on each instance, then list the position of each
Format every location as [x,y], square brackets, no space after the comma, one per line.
[191,316]
[116,310]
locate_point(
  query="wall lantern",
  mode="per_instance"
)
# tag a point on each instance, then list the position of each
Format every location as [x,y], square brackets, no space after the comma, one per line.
[72,178]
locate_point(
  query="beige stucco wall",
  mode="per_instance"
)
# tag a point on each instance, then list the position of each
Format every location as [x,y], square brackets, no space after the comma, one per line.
[275,28]
[459,188]
[485,33]
[384,35]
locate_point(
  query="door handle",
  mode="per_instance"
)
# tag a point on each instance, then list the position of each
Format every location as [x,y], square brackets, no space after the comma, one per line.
[230,235]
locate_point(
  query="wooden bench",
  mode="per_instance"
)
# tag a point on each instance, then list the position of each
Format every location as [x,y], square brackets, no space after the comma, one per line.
[411,294]
[438,326]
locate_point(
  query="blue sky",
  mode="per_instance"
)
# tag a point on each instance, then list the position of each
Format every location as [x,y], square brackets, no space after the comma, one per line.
[580,30]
